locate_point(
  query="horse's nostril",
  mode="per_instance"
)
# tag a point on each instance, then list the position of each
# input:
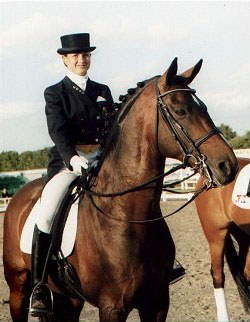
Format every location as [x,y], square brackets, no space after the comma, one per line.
[224,166]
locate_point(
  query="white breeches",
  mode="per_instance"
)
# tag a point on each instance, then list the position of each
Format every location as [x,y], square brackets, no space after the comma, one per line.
[51,198]
[54,192]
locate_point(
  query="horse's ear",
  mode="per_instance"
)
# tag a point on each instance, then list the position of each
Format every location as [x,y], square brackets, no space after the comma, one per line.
[190,74]
[171,72]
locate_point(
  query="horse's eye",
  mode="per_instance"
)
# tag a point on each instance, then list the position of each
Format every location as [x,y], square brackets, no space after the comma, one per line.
[180,111]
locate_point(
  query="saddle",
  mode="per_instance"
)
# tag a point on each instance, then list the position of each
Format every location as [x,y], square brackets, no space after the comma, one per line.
[241,192]
[64,235]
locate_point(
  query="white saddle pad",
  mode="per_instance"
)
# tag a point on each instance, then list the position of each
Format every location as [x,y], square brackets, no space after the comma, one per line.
[69,232]
[239,196]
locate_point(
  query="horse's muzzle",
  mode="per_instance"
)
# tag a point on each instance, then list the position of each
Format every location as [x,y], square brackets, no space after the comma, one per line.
[224,172]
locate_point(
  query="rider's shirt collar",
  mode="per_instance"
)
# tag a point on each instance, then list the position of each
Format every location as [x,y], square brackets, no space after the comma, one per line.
[78,80]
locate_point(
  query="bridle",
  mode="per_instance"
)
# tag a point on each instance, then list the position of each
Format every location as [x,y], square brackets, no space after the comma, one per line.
[188,146]
[188,151]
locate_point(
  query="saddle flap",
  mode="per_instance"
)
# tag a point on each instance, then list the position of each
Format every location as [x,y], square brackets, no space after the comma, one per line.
[69,232]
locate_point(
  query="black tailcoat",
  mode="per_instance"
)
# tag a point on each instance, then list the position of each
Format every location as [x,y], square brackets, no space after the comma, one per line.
[73,117]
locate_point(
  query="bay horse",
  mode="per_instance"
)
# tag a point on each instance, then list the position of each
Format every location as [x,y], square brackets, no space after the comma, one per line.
[226,225]
[123,253]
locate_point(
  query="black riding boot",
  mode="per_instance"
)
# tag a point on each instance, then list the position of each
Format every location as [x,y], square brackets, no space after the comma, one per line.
[41,297]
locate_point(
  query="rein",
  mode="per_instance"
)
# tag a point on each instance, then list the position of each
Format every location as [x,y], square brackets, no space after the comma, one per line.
[135,188]
[154,219]
[176,129]
[91,193]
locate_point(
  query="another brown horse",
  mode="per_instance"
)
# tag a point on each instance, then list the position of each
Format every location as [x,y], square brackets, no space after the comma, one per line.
[219,216]
[122,265]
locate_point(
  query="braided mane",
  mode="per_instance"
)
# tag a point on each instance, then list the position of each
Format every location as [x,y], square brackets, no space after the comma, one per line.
[122,108]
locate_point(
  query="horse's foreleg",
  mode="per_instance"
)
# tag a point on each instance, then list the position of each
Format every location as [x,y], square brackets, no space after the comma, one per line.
[217,271]
[147,315]
[155,307]
[112,314]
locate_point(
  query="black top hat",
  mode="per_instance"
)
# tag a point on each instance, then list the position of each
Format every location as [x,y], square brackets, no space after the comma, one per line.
[75,43]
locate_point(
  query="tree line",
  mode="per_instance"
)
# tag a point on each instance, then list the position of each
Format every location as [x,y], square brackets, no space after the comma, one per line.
[12,160]
[236,141]
[12,184]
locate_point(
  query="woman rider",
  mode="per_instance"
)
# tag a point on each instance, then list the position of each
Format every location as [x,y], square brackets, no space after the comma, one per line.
[75,126]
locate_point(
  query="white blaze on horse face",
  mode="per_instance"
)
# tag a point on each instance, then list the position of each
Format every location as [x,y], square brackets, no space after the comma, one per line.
[77,63]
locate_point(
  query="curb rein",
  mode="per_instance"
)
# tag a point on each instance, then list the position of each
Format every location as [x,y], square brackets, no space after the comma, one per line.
[175,128]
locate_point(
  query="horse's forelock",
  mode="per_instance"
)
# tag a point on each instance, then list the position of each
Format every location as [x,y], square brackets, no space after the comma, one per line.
[179,80]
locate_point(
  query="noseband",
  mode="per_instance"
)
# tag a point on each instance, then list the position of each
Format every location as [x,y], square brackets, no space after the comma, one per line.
[188,146]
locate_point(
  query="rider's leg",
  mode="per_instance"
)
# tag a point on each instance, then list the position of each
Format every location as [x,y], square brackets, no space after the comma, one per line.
[51,198]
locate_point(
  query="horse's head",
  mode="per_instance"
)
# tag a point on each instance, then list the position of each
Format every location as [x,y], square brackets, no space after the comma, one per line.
[186,131]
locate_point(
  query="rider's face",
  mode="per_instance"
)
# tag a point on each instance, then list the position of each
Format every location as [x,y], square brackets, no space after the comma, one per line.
[77,63]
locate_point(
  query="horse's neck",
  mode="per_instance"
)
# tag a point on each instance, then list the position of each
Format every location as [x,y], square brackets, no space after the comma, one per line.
[135,158]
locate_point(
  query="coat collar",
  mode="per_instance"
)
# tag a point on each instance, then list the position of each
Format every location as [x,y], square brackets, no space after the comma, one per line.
[73,88]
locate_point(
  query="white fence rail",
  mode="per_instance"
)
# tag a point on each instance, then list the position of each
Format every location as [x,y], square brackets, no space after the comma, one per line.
[4,203]
[175,196]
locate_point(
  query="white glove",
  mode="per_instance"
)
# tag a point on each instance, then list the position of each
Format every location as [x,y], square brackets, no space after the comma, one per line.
[78,163]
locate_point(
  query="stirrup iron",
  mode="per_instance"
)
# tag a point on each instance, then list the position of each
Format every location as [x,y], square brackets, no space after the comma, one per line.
[43,304]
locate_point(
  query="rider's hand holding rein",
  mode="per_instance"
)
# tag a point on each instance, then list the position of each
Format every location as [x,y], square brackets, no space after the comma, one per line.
[78,163]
